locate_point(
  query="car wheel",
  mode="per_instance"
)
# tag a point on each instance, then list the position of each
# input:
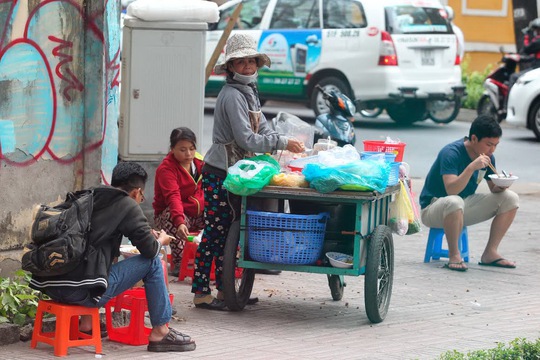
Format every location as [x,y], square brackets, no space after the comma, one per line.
[407,112]
[444,111]
[534,119]
[318,105]
[371,113]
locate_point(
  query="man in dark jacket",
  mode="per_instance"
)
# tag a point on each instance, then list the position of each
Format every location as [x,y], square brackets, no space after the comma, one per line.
[116,214]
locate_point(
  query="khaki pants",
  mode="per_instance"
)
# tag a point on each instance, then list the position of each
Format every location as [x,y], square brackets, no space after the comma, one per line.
[476,208]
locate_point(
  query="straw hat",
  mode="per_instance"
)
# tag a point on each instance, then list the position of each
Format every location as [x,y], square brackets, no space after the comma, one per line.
[240,46]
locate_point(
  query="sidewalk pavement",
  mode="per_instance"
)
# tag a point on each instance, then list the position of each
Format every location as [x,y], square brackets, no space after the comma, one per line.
[432,309]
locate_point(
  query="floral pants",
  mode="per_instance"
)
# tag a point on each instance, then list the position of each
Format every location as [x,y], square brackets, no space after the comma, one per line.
[163,222]
[218,216]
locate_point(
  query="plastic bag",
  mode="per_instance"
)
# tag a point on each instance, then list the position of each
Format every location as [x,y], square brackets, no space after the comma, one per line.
[339,155]
[291,125]
[414,219]
[399,213]
[361,175]
[248,176]
[404,219]
[174,10]
[289,180]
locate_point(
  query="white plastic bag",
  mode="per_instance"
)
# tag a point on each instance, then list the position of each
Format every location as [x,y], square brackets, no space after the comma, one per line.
[174,10]
[339,155]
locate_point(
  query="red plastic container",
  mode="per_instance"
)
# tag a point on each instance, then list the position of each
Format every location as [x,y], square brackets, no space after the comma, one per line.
[136,332]
[381,146]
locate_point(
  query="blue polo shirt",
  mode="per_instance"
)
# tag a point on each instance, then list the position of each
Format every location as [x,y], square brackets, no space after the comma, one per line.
[452,159]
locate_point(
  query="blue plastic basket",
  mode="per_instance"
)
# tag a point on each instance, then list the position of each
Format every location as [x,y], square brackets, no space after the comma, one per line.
[393,177]
[390,157]
[285,238]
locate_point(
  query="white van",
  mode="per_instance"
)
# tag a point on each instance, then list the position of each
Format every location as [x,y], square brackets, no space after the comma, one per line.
[398,55]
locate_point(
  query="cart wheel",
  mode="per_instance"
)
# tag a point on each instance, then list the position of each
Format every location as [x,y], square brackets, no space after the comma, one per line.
[236,291]
[336,284]
[379,273]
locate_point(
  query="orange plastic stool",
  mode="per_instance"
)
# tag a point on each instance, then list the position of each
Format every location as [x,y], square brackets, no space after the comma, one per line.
[187,266]
[67,332]
[136,332]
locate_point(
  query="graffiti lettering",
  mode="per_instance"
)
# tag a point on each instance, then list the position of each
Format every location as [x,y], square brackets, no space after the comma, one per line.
[68,76]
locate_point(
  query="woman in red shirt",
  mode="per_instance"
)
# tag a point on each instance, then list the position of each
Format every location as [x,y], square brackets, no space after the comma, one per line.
[178,195]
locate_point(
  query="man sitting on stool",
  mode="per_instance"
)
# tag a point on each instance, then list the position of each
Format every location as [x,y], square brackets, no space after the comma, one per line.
[97,280]
[449,198]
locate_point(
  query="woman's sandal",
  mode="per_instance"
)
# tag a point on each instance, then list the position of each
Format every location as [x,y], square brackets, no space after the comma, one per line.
[214,305]
[173,341]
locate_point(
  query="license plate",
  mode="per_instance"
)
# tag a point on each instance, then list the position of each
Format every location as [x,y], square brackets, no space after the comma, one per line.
[428,58]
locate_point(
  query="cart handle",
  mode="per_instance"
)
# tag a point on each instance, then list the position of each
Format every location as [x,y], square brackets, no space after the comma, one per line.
[350,232]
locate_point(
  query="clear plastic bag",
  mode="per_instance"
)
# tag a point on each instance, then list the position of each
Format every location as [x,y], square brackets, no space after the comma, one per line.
[399,213]
[404,216]
[414,218]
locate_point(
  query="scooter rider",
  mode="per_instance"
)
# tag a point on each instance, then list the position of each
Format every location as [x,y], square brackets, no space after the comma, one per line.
[531,42]
[531,46]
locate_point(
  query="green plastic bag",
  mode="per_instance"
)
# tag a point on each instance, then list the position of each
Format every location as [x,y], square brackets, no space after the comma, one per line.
[248,176]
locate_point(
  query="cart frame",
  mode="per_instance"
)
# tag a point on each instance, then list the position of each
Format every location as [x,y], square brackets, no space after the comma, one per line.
[371,216]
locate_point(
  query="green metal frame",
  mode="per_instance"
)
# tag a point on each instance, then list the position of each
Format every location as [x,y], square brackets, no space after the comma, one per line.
[371,210]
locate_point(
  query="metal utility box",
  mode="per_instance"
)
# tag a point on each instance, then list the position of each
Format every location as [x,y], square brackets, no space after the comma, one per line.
[162,87]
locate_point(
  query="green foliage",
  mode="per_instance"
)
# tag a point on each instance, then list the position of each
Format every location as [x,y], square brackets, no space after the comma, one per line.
[473,82]
[517,349]
[19,301]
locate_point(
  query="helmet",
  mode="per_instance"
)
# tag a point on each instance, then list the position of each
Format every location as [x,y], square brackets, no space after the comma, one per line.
[535,24]
[449,12]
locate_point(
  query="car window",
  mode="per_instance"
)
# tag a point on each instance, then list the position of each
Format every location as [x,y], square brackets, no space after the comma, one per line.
[250,15]
[339,14]
[299,14]
[414,19]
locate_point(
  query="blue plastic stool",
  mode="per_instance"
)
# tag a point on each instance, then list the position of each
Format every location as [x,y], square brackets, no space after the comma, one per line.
[434,248]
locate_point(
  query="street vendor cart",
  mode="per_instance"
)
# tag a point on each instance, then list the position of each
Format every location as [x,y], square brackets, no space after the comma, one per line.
[354,222]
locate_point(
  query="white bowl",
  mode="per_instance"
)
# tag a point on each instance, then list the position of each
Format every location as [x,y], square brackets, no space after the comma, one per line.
[503,181]
[340,260]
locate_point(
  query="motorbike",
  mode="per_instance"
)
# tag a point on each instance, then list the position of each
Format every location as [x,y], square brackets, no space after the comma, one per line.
[497,86]
[337,124]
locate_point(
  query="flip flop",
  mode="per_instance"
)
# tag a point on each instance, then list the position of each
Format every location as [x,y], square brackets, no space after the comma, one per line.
[496,263]
[447,265]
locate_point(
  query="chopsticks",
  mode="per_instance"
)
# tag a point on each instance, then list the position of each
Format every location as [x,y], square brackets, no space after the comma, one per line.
[493,168]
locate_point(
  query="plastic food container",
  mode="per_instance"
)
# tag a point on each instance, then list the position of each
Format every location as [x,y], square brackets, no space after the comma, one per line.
[381,146]
[298,165]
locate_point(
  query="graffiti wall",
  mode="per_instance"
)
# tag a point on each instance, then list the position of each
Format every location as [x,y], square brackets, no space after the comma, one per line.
[59,102]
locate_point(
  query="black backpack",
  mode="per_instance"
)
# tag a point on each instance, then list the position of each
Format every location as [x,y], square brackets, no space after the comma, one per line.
[59,235]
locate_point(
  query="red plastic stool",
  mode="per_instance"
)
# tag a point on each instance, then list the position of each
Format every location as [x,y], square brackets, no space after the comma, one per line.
[187,266]
[67,332]
[136,332]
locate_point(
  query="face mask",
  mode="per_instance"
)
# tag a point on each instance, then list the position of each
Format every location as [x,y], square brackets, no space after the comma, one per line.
[245,79]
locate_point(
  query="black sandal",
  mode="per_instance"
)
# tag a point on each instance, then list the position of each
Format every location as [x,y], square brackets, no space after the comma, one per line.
[214,305]
[173,341]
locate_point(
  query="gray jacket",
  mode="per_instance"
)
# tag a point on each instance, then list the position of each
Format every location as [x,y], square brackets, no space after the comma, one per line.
[232,126]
